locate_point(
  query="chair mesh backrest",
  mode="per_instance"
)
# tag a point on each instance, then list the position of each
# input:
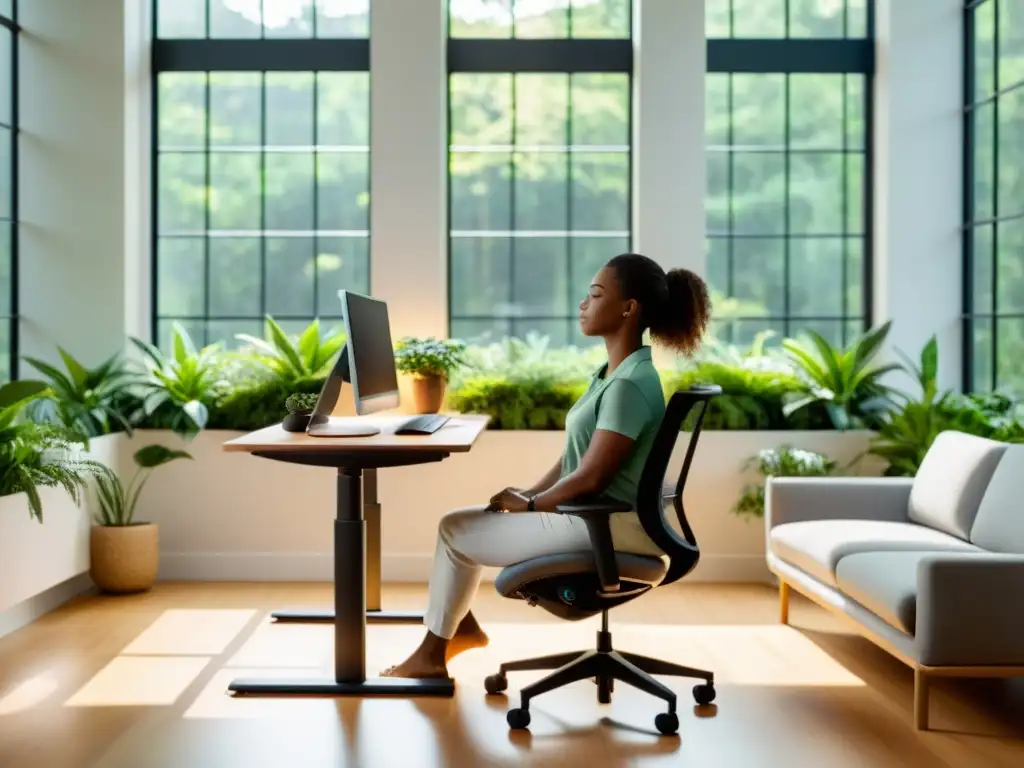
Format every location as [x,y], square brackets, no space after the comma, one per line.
[652,495]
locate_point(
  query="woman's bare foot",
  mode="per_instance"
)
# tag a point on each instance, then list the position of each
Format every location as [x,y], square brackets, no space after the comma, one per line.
[431,659]
[417,666]
[468,636]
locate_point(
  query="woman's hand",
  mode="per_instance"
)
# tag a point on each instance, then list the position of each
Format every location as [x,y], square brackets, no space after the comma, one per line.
[509,500]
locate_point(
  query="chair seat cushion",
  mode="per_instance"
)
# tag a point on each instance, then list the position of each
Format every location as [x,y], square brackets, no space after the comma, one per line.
[817,546]
[885,583]
[641,568]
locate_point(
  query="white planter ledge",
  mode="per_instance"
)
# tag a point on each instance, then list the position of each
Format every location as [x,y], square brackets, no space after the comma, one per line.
[46,564]
[230,516]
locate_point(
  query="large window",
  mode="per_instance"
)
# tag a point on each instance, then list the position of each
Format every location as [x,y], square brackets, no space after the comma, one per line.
[539,160]
[262,167]
[8,190]
[994,196]
[788,150]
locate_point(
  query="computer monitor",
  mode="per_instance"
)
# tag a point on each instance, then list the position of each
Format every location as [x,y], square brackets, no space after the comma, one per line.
[367,362]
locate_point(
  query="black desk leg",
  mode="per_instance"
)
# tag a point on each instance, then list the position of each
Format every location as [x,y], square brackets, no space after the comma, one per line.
[374,613]
[349,617]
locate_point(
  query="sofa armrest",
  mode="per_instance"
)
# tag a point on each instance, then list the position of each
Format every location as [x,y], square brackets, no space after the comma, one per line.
[968,609]
[799,499]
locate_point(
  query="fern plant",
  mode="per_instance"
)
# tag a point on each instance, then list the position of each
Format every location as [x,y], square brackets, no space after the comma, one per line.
[38,455]
[116,501]
[308,357]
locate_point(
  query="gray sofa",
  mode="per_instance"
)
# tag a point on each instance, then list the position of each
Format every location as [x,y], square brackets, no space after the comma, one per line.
[931,568]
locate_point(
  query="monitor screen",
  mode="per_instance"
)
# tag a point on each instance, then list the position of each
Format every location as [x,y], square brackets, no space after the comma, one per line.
[369,344]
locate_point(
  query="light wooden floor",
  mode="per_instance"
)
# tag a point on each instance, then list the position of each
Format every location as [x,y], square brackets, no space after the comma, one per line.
[140,682]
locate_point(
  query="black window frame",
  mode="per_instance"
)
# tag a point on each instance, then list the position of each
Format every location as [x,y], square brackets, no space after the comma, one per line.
[560,56]
[13,316]
[798,55]
[971,103]
[243,55]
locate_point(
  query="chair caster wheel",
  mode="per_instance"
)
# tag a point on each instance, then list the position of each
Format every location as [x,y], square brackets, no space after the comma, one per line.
[519,718]
[667,723]
[704,694]
[495,683]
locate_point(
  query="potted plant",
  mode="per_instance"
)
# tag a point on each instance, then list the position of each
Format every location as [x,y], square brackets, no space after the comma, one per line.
[784,461]
[430,362]
[300,406]
[125,554]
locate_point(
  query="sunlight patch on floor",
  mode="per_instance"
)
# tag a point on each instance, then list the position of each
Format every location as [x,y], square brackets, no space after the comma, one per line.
[181,632]
[27,694]
[132,681]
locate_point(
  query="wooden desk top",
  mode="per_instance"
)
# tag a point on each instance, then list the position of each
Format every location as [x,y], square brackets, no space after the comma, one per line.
[457,436]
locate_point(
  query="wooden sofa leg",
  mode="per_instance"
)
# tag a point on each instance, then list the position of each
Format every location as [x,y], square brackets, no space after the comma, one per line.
[920,700]
[783,602]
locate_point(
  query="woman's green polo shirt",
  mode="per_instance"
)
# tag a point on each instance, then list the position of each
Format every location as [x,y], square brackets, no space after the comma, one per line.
[631,402]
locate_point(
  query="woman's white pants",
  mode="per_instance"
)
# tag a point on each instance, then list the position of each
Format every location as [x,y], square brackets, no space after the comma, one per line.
[469,540]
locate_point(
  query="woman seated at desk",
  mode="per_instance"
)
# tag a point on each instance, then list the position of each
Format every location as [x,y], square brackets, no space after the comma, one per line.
[609,433]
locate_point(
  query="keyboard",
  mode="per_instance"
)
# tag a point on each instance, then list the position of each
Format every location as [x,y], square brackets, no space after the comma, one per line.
[427,424]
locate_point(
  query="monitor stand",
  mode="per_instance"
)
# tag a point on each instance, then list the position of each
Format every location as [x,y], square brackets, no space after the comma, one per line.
[346,428]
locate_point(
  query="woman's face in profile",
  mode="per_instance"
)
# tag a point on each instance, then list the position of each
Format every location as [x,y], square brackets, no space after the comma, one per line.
[601,310]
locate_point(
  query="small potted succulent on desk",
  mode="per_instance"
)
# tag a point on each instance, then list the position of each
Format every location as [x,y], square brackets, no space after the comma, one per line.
[300,407]
[430,361]
[125,554]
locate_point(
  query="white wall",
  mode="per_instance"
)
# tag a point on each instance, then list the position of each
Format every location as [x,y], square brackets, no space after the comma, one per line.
[75,273]
[918,172]
[408,164]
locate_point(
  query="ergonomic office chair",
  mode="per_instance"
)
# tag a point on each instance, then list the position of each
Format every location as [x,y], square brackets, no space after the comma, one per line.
[579,585]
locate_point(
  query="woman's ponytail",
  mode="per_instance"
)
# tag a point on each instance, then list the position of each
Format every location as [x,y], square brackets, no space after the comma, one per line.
[676,306]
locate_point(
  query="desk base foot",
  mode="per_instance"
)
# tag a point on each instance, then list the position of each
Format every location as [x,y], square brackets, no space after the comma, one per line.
[327,617]
[381,686]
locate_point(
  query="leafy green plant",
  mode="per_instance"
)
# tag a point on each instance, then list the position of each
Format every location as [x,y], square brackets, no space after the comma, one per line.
[429,356]
[307,357]
[517,404]
[177,389]
[522,383]
[256,404]
[88,401]
[846,381]
[37,455]
[529,359]
[301,402]
[753,396]
[784,461]
[909,429]
[116,502]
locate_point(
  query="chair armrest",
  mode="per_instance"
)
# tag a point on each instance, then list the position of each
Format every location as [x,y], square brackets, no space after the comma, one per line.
[596,515]
[800,499]
[968,609]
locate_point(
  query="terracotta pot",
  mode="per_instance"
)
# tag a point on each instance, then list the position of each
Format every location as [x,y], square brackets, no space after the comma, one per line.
[428,393]
[124,559]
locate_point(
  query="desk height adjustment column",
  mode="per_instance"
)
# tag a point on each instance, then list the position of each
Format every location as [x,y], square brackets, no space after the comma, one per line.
[372,514]
[349,571]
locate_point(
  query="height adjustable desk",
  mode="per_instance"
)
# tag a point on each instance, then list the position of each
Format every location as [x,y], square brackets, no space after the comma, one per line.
[356,541]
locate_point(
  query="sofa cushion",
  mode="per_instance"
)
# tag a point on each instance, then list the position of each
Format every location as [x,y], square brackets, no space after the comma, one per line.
[816,546]
[999,525]
[885,583]
[951,480]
